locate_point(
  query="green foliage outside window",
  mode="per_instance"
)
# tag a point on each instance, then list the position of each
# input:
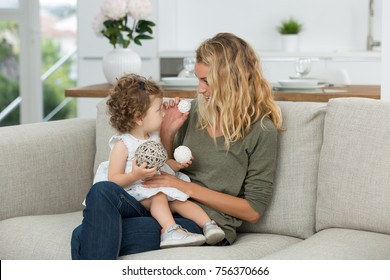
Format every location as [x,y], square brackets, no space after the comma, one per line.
[53,87]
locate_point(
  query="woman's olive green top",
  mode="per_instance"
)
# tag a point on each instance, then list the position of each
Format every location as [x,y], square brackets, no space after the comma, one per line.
[246,170]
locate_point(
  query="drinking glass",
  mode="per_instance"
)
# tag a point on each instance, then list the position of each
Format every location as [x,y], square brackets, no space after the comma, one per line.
[189,66]
[303,66]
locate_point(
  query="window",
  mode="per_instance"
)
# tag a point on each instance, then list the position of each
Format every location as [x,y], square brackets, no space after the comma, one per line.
[58,49]
[9,63]
[9,4]
[28,95]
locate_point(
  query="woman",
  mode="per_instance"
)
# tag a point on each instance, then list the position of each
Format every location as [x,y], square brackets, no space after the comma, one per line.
[232,133]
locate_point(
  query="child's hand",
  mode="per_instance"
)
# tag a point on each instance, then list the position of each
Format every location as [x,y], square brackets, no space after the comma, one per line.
[176,166]
[141,172]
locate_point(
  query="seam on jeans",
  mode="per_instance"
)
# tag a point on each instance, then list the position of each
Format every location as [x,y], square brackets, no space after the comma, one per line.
[135,207]
[119,237]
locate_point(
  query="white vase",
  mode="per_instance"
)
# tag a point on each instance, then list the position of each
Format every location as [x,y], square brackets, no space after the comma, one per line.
[290,43]
[119,62]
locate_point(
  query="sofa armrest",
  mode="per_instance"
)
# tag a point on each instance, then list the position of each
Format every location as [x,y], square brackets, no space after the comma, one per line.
[46,168]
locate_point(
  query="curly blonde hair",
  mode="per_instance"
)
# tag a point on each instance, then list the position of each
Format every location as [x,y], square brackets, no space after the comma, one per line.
[130,99]
[240,95]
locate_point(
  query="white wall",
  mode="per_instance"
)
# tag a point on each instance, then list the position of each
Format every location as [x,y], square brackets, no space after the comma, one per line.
[328,24]
[385,88]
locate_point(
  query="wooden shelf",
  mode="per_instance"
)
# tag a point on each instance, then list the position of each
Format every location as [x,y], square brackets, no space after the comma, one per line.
[101,90]
[320,95]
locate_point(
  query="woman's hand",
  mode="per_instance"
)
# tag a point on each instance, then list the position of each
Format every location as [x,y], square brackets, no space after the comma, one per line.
[163,180]
[173,118]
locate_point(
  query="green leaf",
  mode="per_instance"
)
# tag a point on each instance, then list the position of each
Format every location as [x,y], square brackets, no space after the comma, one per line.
[138,42]
[143,37]
[118,33]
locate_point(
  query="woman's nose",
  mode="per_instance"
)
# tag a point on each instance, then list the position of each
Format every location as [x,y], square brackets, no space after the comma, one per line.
[201,89]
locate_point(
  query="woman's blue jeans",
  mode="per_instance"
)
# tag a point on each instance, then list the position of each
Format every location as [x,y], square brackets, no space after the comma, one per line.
[116,224]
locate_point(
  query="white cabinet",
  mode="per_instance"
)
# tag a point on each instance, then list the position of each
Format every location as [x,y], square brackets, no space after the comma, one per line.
[361,72]
[281,68]
[362,68]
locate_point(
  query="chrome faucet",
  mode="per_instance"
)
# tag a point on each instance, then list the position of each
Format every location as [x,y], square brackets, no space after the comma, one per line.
[370,40]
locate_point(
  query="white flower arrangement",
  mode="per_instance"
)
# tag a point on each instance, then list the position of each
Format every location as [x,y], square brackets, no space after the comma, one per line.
[112,20]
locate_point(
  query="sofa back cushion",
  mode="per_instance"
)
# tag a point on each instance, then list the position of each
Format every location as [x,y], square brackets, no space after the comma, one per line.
[292,208]
[45,168]
[354,170]
[104,131]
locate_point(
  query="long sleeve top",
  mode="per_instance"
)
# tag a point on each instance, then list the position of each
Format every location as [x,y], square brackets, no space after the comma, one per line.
[246,170]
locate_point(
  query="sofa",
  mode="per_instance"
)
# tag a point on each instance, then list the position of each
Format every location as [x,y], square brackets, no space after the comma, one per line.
[331,195]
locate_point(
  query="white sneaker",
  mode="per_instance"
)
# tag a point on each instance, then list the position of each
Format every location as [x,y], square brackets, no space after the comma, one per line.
[174,238]
[213,233]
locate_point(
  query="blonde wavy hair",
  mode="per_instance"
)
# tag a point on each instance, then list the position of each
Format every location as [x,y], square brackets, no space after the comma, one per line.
[240,95]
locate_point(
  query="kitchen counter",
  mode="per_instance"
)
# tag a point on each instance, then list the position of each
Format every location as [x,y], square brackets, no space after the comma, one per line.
[318,95]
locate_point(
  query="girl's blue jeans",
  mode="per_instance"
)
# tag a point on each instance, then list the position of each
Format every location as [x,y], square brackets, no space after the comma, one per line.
[116,224]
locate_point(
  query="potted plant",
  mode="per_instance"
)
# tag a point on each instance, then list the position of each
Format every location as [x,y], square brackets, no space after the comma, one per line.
[123,22]
[289,29]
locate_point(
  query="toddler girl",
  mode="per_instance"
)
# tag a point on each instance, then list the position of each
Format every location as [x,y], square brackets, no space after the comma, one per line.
[135,108]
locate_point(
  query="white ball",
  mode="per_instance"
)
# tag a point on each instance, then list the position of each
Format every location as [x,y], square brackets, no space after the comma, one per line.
[184,106]
[182,154]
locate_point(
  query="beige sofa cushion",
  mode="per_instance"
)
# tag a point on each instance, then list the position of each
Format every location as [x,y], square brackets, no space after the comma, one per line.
[248,246]
[354,173]
[292,208]
[45,167]
[338,244]
[40,237]
[291,211]
[104,131]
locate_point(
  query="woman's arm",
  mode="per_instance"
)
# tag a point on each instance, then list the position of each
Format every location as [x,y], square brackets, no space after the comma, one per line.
[173,120]
[225,203]
[257,187]
[231,205]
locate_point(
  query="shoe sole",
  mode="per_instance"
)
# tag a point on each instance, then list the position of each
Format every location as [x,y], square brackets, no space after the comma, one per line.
[182,243]
[214,236]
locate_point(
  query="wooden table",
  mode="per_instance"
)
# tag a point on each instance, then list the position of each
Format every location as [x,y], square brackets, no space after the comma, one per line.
[317,95]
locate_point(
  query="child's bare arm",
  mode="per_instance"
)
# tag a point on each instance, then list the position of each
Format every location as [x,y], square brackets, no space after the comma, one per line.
[176,166]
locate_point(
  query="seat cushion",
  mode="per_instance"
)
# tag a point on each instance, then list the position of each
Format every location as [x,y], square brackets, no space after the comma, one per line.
[249,246]
[104,131]
[338,244]
[292,208]
[44,237]
[354,172]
